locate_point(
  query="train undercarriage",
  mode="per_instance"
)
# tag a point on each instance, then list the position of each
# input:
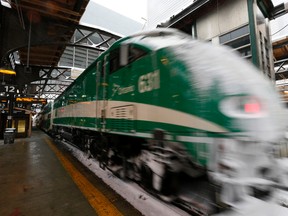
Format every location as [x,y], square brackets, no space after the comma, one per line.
[160,167]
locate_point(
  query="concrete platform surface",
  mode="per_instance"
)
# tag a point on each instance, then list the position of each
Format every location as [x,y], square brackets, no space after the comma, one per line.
[34,183]
[38,179]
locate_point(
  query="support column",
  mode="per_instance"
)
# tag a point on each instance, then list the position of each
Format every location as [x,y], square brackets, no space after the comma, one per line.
[10,110]
[252,28]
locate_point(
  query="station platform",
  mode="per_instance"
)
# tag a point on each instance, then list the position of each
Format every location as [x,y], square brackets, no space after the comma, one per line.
[38,178]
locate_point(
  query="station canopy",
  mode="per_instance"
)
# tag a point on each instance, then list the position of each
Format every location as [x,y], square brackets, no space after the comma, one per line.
[42,43]
[280,53]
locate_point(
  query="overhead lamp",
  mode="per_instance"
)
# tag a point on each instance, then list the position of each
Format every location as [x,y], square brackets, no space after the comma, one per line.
[6,3]
[7,71]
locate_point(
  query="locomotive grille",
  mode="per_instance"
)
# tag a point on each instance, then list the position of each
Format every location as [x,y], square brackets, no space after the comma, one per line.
[123,118]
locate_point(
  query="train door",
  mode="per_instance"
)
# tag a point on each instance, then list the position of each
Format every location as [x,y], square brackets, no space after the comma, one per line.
[101,93]
[121,92]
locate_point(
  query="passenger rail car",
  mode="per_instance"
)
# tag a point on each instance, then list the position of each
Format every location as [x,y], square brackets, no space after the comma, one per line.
[160,104]
[44,119]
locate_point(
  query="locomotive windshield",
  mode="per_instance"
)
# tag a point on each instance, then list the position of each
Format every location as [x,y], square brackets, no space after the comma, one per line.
[129,56]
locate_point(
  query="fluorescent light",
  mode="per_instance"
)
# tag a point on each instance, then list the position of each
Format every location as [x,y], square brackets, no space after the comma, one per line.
[6,71]
[6,3]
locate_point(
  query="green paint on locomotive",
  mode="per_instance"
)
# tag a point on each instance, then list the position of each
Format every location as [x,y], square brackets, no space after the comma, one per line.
[159,88]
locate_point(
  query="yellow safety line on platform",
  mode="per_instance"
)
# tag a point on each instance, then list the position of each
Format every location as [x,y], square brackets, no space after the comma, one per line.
[96,199]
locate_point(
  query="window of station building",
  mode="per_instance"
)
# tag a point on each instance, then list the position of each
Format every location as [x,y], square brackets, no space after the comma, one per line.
[267,56]
[21,126]
[194,30]
[239,40]
[264,55]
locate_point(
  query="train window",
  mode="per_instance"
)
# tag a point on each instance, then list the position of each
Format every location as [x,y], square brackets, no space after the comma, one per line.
[114,60]
[135,53]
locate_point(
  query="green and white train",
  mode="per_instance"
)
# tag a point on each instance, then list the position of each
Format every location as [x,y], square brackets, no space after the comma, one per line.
[159,104]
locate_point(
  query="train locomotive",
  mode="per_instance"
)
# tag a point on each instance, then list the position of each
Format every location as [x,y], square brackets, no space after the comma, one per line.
[158,104]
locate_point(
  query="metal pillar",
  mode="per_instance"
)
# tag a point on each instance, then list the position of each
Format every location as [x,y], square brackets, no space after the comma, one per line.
[10,110]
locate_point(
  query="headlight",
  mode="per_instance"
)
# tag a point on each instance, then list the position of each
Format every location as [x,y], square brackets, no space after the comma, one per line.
[242,107]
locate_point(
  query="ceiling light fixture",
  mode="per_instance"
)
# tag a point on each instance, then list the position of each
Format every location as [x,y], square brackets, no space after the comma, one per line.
[7,71]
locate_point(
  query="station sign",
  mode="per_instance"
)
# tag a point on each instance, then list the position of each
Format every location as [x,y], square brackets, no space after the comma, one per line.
[30,100]
[8,88]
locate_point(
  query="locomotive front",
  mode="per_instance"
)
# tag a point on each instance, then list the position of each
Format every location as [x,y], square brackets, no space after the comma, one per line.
[231,93]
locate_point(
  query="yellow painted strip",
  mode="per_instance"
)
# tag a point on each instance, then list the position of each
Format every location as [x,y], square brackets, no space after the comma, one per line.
[96,199]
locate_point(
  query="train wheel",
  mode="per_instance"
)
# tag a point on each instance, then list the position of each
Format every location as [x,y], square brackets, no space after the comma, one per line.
[170,183]
[220,206]
[135,172]
[146,177]
[123,172]
[103,159]
[94,150]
